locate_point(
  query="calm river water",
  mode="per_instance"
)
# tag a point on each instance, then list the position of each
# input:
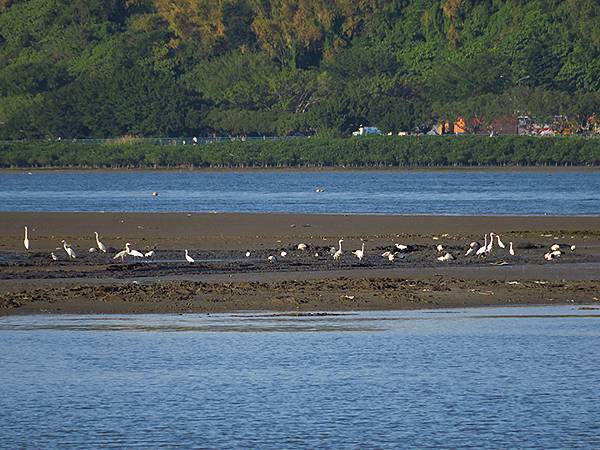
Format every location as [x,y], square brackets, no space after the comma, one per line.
[380,192]
[485,378]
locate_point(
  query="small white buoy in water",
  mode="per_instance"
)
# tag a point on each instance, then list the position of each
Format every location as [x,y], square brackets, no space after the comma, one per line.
[155,194]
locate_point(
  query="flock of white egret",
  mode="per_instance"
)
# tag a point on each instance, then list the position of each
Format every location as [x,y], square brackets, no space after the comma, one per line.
[474,249]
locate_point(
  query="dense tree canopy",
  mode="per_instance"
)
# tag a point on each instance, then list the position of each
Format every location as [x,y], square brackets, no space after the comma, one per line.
[104,68]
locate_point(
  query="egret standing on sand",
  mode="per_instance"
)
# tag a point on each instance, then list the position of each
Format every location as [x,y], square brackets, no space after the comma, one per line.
[133,252]
[100,245]
[122,254]
[338,254]
[360,253]
[26,240]
[500,243]
[69,250]
[491,243]
[188,258]
[481,250]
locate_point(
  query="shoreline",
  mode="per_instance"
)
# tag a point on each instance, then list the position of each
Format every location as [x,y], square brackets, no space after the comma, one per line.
[575,168]
[223,280]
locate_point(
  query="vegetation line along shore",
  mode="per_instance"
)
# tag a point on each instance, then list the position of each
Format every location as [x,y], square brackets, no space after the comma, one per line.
[108,68]
[421,151]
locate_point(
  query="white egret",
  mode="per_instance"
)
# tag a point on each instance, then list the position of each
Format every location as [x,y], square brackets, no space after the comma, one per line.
[53,256]
[490,244]
[69,250]
[360,253]
[401,247]
[92,250]
[573,247]
[302,247]
[510,249]
[555,247]
[500,243]
[248,254]
[469,251]
[135,253]
[446,257]
[271,259]
[338,254]
[283,253]
[188,258]
[386,254]
[391,257]
[26,240]
[100,245]
[122,254]
[481,250]
[149,254]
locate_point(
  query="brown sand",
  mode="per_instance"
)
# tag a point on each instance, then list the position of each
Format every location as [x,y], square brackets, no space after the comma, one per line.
[223,279]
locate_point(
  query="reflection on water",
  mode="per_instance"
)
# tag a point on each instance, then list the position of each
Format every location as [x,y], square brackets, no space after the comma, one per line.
[485,378]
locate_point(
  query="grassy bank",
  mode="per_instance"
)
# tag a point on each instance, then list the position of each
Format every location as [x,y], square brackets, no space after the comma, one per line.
[422,151]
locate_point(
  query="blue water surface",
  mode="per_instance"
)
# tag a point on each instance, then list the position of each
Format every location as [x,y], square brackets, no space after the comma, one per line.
[378,192]
[479,378]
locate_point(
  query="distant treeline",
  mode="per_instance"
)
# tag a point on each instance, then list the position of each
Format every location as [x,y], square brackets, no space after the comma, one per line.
[112,68]
[421,151]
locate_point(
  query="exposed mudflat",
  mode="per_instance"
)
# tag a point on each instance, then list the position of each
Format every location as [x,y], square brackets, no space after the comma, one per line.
[223,278]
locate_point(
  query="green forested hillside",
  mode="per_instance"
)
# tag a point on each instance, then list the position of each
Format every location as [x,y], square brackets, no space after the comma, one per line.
[104,68]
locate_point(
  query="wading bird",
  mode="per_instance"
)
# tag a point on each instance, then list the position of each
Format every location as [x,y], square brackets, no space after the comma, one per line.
[122,254]
[53,256]
[135,253]
[188,258]
[471,248]
[488,250]
[149,254]
[26,240]
[481,250]
[510,249]
[338,254]
[69,250]
[446,257]
[302,247]
[500,243]
[100,245]
[360,253]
